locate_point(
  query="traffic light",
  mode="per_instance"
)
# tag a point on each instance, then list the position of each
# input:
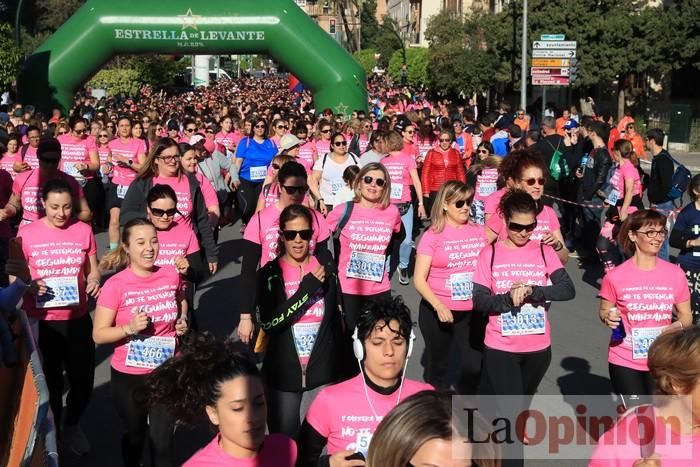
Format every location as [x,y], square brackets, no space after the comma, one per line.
[573,70]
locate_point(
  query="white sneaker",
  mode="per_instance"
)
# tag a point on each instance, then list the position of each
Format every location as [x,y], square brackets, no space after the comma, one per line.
[74,439]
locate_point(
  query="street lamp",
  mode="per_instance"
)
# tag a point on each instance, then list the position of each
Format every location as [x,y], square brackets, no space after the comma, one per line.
[523,61]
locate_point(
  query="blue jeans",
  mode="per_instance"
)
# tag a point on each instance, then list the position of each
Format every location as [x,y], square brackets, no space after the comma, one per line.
[665,208]
[407,244]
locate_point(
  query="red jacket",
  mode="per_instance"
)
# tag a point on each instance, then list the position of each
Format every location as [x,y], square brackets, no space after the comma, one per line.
[436,172]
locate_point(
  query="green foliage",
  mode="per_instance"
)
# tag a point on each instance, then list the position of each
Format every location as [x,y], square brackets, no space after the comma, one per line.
[389,41]
[116,81]
[416,62]
[10,57]
[369,26]
[156,70]
[42,18]
[365,58]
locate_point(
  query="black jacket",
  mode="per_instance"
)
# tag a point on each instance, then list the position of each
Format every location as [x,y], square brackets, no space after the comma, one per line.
[660,178]
[595,173]
[134,206]
[276,314]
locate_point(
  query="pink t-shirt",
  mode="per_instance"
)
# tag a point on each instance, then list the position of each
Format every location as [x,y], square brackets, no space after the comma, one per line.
[211,200]
[645,300]
[126,293]
[263,229]
[307,154]
[363,142]
[511,265]
[342,414]
[178,240]
[103,152]
[272,195]
[363,244]
[8,161]
[305,329]
[30,157]
[181,185]
[491,202]
[622,445]
[547,222]
[411,150]
[453,254]
[75,151]
[58,255]
[399,166]
[626,171]
[227,140]
[128,151]
[323,147]
[276,451]
[27,188]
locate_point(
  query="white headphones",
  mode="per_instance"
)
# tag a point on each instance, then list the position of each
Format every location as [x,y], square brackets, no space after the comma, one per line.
[359,350]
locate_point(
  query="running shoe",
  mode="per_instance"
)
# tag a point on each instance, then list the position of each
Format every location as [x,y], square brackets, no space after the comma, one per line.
[403,276]
[74,439]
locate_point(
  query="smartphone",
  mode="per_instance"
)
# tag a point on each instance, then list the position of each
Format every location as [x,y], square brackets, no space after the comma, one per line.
[358,456]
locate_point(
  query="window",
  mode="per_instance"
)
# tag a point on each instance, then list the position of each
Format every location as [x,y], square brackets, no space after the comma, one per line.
[301,3]
[326,9]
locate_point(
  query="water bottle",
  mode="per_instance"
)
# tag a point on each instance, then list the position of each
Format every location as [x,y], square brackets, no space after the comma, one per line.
[584,161]
[618,334]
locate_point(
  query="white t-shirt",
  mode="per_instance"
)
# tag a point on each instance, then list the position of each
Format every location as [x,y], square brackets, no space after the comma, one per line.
[332,177]
[371,156]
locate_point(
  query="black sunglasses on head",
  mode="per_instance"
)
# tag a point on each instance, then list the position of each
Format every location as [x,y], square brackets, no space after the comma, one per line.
[290,235]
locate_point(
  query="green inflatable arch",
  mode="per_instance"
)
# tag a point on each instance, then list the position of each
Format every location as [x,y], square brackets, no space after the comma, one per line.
[101,29]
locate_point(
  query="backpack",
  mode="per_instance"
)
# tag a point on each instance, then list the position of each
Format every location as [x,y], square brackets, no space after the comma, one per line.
[558,165]
[680,179]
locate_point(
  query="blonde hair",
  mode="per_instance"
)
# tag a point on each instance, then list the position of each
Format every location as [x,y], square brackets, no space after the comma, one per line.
[451,190]
[423,417]
[393,141]
[118,258]
[281,159]
[386,194]
[673,361]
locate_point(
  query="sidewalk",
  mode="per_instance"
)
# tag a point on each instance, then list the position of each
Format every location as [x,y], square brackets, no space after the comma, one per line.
[689,159]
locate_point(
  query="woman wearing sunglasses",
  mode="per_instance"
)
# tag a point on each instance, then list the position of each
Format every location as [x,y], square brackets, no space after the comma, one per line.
[511,288]
[484,175]
[327,178]
[303,352]
[323,137]
[279,129]
[163,167]
[643,297]
[445,264]
[368,227]
[253,156]
[128,155]
[524,170]
[270,193]
[442,163]
[260,239]
[402,169]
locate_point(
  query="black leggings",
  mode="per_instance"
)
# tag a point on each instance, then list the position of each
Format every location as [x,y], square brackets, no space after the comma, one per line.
[467,331]
[248,194]
[67,345]
[94,195]
[634,386]
[140,421]
[352,306]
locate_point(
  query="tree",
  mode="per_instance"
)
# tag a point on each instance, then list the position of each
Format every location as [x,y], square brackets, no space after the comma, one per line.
[117,81]
[10,57]
[389,40]
[369,26]
[365,58]
[417,64]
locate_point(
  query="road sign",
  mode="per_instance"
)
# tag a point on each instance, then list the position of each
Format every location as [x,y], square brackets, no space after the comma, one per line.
[539,53]
[552,37]
[539,71]
[550,62]
[550,81]
[554,45]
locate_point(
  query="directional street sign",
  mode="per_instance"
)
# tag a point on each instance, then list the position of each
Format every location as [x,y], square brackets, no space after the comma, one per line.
[539,71]
[552,45]
[540,53]
[552,37]
[550,62]
[550,81]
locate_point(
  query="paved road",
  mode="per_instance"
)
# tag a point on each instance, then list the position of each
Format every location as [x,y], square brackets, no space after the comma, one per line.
[578,366]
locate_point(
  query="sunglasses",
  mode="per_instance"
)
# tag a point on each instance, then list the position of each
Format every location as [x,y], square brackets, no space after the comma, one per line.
[78,132]
[410,132]
[532,181]
[282,127]
[275,166]
[169,158]
[515,227]
[164,212]
[445,140]
[62,132]
[368,180]
[290,235]
[260,126]
[325,131]
[293,190]
[483,151]
[340,143]
[460,204]
[190,130]
[103,136]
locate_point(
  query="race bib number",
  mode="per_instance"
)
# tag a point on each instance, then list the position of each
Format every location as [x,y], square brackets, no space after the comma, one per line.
[613,196]
[396,191]
[337,185]
[486,188]
[461,286]
[149,352]
[121,191]
[363,439]
[305,337]
[71,170]
[258,173]
[62,291]
[642,338]
[366,266]
[529,320]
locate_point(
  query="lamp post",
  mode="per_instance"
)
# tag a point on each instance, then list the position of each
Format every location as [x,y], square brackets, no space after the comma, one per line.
[523,61]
